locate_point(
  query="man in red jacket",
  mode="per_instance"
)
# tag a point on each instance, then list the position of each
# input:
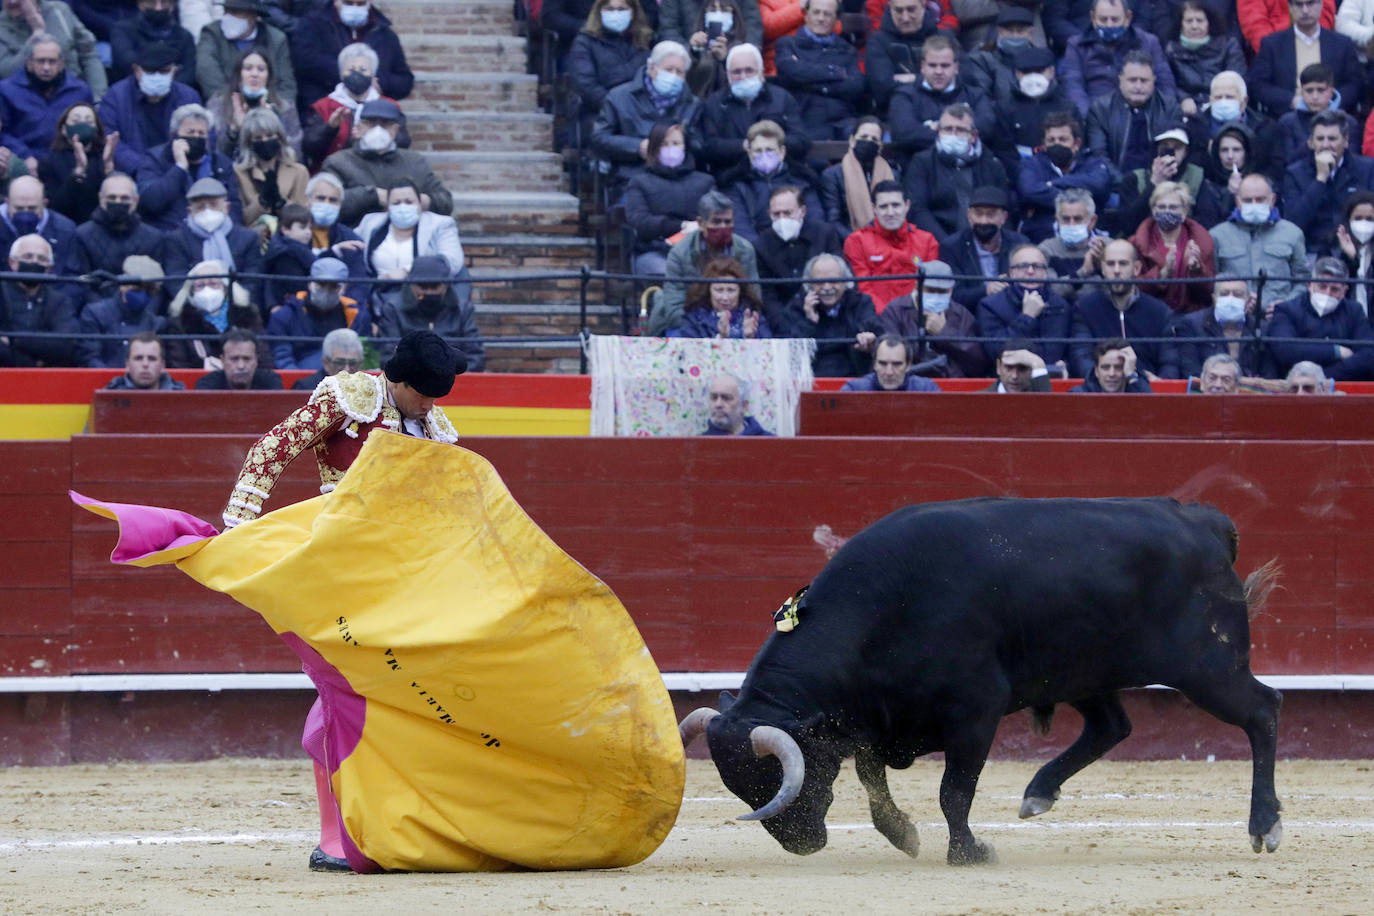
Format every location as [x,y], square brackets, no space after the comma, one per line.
[889,246]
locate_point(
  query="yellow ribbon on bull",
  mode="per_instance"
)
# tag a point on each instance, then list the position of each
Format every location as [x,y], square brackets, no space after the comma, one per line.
[513,716]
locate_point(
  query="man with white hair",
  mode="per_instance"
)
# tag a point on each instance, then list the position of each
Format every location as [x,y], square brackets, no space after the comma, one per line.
[1306,377]
[830,308]
[727,114]
[1229,103]
[658,92]
[341,351]
[728,404]
[34,306]
[168,171]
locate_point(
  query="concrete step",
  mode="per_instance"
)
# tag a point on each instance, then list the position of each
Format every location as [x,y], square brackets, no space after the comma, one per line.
[514,212]
[480,130]
[497,52]
[442,90]
[484,171]
[453,17]
[519,256]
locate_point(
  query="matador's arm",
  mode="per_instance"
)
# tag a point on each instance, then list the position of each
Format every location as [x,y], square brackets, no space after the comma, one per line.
[270,455]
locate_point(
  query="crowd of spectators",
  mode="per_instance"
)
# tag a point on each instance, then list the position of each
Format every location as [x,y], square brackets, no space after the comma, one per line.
[157,158]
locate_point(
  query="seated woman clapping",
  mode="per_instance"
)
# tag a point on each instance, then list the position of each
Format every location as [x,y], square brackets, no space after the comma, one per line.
[729,309]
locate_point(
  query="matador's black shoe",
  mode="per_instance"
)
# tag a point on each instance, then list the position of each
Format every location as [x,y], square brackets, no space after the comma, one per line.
[323,861]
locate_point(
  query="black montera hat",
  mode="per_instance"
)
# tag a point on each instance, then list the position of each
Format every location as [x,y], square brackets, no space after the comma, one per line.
[425,362]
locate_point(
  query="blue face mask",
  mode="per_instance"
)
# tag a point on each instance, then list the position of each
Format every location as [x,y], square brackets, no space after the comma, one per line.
[1073,236]
[1224,110]
[404,216]
[667,83]
[155,85]
[747,89]
[25,223]
[616,20]
[1255,214]
[135,301]
[324,214]
[935,302]
[1111,33]
[1229,310]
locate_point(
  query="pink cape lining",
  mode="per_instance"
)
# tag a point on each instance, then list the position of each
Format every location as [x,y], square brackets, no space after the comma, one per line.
[147,530]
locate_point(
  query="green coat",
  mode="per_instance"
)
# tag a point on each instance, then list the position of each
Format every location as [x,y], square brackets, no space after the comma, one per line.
[683,261]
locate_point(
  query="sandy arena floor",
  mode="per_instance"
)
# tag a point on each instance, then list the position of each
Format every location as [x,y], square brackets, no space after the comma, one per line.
[1130,838]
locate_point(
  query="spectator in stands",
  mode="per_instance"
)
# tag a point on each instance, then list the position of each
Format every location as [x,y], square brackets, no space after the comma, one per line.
[113,234]
[35,307]
[1114,370]
[207,305]
[169,170]
[80,157]
[340,351]
[1318,87]
[1228,157]
[1075,249]
[327,125]
[940,180]
[26,20]
[661,199]
[155,24]
[26,211]
[721,135]
[251,92]
[1274,73]
[322,34]
[893,54]
[976,20]
[290,253]
[714,237]
[394,239]
[268,174]
[240,371]
[34,97]
[324,194]
[243,28]
[930,317]
[1260,18]
[1174,246]
[751,184]
[1315,187]
[1025,308]
[830,308]
[140,106]
[1318,316]
[135,308]
[1121,126]
[892,363]
[847,186]
[723,20]
[1355,236]
[1220,374]
[723,310]
[1120,309]
[1230,326]
[1255,238]
[1062,21]
[683,21]
[375,164]
[991,66]
[780,18]
[1229,105]
[1094,59]
[1063,164]
[822,71]
[728,399]
[609,50]
[145,368]
[209,233]
[888,247]
[1020,368]
[1198,49]
[1307,378]
[320,308]
[1036,95]
[1169,166]
[657,93]
[791,240]
[430,300]
[983,249]
[914,112]
[1355,20]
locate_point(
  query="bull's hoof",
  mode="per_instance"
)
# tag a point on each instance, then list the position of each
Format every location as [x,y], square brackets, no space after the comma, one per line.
[911,842]
[979,853]
[1031,806]
[1270,841]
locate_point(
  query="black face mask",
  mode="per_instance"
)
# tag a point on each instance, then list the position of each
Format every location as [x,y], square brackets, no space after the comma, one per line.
[158,19]
[1060,155]
[30,267]
[195,148]
[430,303]
[357,82]
[267,150]
[118,212]
[865,151]
[985,232]
[44,85]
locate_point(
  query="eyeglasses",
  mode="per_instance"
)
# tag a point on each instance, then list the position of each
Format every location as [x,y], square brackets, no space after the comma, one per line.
[345,363]
[1030,267]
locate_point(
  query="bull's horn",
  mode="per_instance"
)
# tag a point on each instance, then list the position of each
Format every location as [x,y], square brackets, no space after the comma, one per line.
[769,740]
[692,727]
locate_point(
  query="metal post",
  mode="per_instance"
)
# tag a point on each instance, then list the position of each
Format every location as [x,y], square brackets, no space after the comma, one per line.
[1259,302]
[583,283]
[920,314]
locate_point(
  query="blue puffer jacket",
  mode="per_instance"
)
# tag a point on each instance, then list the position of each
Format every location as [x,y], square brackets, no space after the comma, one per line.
[27,120]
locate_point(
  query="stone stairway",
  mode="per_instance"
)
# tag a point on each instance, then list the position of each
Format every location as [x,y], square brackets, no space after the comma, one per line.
[474,112]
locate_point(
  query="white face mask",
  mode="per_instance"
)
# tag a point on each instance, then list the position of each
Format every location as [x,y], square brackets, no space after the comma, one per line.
[403,216]
[375,140]
[1229,310]
[787,228]
[209,220]
[353,15]
[935,302]
[233,27]
[1034,84]
[1073,236]
[724,17]
[1323,304]
[208,299]
[1362,229]
[953,144]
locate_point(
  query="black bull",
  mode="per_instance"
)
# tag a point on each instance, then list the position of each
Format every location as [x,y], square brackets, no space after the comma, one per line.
[933,623]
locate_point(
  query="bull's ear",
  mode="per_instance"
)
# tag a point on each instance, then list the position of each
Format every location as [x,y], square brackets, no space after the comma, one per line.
[727,700]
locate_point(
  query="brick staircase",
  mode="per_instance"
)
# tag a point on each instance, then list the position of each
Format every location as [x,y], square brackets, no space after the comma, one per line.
[474,112]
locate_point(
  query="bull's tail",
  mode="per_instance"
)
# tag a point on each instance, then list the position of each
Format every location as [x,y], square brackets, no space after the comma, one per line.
[1260,584]
[1042,717]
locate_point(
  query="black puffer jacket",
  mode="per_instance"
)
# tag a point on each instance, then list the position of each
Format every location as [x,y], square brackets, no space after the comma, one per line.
[658,199]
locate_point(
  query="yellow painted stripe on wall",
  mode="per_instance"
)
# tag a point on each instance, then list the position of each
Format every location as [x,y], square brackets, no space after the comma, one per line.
[44,421]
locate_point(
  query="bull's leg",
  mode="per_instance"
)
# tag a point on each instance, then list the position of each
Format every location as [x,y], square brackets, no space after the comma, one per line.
[969,734]
[890,820]
[1105,725]
[1246,702]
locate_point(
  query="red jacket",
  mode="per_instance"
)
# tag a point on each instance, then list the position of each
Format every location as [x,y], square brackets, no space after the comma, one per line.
[874,252]
[1259,18]
[326,107]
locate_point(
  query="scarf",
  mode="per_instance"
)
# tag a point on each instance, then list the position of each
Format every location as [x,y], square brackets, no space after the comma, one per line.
[341,95]
[661,102]
[858,191]
[214,246]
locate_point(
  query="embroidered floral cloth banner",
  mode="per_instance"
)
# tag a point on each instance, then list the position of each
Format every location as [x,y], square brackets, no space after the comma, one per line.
[656,386]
